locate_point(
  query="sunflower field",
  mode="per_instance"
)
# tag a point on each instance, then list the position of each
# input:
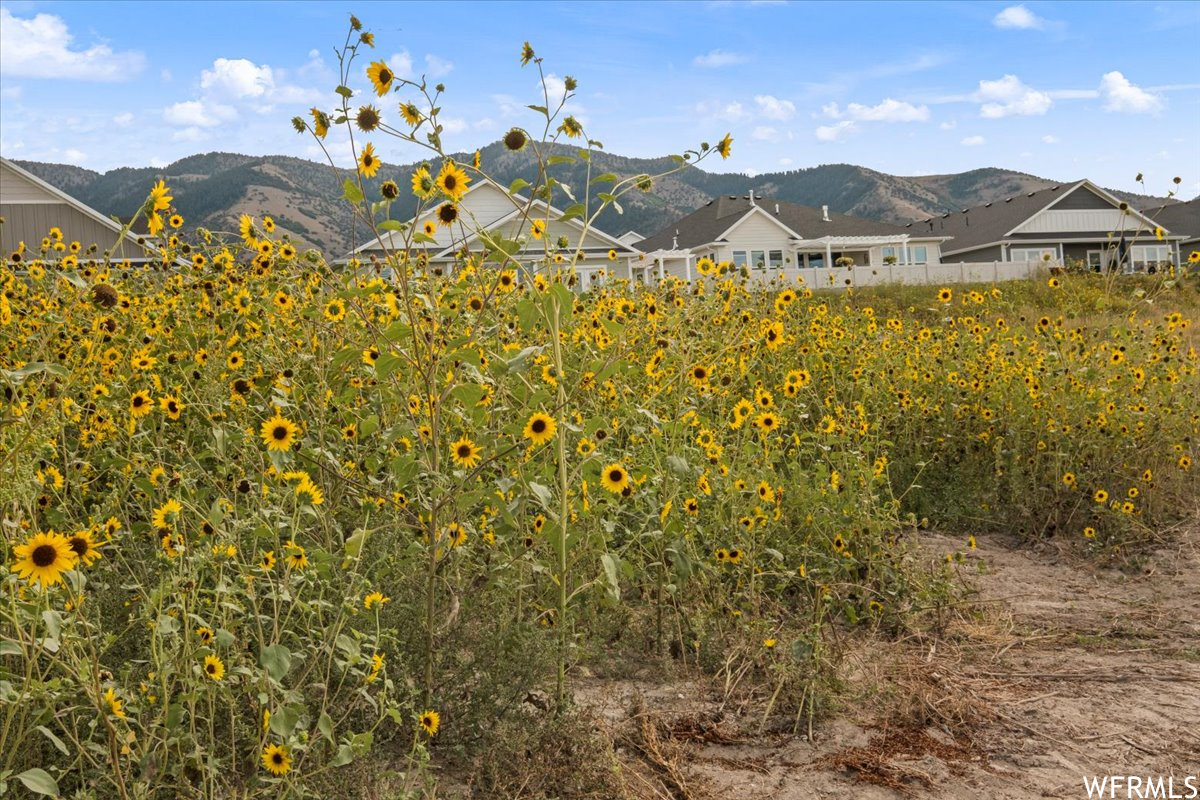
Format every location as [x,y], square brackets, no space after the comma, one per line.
[266,517]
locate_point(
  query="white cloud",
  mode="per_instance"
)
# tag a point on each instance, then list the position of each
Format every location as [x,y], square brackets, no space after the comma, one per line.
[785,162]
[765,133]
[453,125]
[10,93]
[75,156]
[888,111]
[774,108]
[40,47]
[1121,95]
[192,134]
[238,78]
[1008,96]
[123,120]
[1019,18]
[199,114]
[484,124]
[949,125]
[973,141]
[733,112]
[1051,139]
[718,58]
[437,67]
[400,64]
[556,90]
[831,133]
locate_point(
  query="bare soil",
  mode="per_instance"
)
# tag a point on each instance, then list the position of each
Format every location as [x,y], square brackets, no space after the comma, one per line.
[1064,670]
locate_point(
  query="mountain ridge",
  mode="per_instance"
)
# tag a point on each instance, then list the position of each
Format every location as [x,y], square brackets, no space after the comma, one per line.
[305,197]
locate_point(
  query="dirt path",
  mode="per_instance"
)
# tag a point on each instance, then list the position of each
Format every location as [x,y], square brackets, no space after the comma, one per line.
[1073,671]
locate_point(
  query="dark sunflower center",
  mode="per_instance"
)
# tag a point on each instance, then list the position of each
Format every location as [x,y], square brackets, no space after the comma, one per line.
[464,450]
[279,433]
[210,668]
[616,475]
[450,182]
[79,545]
[368,160]
[538,426]
[172,407]
[138,402]
[448,213]
[385,76]
[277,759]
[44,555]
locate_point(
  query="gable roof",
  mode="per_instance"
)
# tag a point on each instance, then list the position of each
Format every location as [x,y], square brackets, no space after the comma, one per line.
[50,195]
[1180,218]
[991,223]
[716,217]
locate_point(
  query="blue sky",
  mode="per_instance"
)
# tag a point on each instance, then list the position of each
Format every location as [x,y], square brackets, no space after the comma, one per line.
[1059,89]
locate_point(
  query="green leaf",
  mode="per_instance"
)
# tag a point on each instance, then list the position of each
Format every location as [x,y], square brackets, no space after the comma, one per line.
[19,375]
[391,225]
[54,740]
[369,425]
[39,781]
[678,465]
[351,191]
[611,576]
[385,365]
[543,494]
[574,210]
[345,755]
[277,660]
[539,109]
[9,649]
[517,185]
[354,544]
[325,726]
[53,622]
[284,720]
[552,160]
[345,91]
[607,177]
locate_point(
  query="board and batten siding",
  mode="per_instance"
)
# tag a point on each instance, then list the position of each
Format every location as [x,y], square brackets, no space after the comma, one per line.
[1078,220]
[31,222]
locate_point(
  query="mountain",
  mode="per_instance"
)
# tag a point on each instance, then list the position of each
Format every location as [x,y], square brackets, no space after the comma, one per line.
[305,198]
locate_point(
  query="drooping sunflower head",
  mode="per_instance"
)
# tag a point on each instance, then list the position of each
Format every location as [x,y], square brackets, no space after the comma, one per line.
[367,118]
[515,140]
[411,114]
[447,214]
[381,77]
[724,146]
[84,546]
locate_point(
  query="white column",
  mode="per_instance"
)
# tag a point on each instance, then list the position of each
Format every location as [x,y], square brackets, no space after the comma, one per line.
[828,255]
[687,265]
[906,254]
[661,273]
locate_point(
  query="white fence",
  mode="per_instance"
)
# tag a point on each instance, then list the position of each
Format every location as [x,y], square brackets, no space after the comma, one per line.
[917,274]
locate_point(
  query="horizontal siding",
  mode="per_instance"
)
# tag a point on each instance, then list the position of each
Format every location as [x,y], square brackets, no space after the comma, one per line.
[758,233]
[1082,198]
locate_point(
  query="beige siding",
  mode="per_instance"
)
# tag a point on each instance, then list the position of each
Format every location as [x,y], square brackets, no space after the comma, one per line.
[758,232]
[16,188]
[30,223]
[1078,220]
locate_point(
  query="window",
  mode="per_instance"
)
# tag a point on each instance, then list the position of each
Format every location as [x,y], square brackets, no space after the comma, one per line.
[1032,253]
[917,254]
[816,261]
[758,259]
[739,258]
[775,259]
[1150,258]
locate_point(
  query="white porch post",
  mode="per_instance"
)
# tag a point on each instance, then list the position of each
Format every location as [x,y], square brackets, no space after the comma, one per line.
[661,272]
[828,254]
[687,265]
[906,254]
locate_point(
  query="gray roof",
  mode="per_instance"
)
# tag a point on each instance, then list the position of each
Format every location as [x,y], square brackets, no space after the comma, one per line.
[1179,218]
[990,223]
[708,222]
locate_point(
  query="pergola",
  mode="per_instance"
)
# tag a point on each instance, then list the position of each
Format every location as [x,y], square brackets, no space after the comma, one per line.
[828,244]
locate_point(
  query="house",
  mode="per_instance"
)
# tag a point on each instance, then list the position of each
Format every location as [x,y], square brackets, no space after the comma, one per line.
[30,207]
[489,207]
[1182,219]
[1080,222]
[768,238]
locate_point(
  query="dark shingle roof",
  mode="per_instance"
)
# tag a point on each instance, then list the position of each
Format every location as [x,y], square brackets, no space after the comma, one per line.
[1180,219]
[715,217]
[983,225]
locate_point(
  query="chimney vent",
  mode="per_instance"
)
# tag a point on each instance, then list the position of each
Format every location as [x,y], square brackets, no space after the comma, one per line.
[825,214]
[777,208]
[751,197]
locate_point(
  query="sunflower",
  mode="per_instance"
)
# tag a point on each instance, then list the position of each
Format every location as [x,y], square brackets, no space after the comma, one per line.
[422,183]
[335,310]
[320,122]
[367,118]
[374,599]
[766,422]
[429,228]
[214,667]
[114,703]
[515,140]
[44,558]
[275,759]
[411,114]
[381,77]
[165,514]
[171,406]
[945,295]
[158,196]
[368,162]
[447,214]
[571,127]
[279,433]
[465,453]
[140,404]
[614,478]
[452,181]
[537,229]
[723,146]
[84,547]
[297,558]
[267,562]
[540,428]
[429,721]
